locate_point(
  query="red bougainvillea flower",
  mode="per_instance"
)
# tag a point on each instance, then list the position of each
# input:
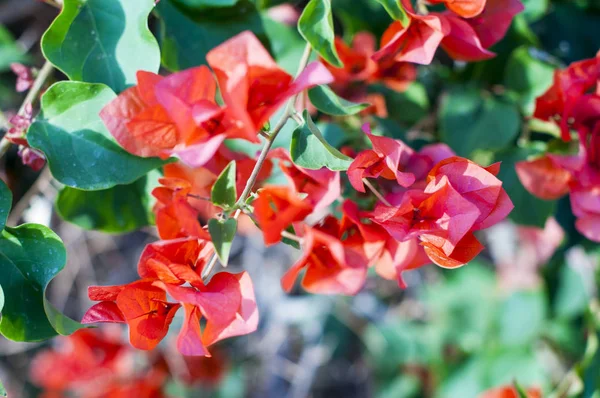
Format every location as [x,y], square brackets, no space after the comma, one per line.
[461,42]
[478,185]
[175,216]
[463,8]
[24,77]
[491,25]
[461,197]
[384,160]
[560,101]
[226,302]
[322,187]
[276,208]
[228,305]
[390,257]
[544,177]
[510,392]
[159,116]
[417,41]
[331,266]
[463,39]
[253,86]
[205,371]
[176,261]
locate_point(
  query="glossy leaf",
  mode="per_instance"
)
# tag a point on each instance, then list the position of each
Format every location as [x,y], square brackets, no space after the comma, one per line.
[325,100]
[185,40]
[223,192]
[222,234]
[316,26]
[528,210]
[122,208]
[30,257]
[468,122]
[395,9]
[5,203]
[80,151]
[103,41]
[310,150]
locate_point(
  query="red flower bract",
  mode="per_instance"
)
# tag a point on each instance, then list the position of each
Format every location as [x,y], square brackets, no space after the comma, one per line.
[253,86]
[331,267]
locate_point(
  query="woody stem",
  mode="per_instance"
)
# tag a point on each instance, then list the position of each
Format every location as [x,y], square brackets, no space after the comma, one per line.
[376,192]
[289,112]
[41,78]
[291,236]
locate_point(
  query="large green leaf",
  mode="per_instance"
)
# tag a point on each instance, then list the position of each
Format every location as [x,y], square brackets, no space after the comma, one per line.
[122,208]
[528,76]
[310,150]
[528,210]
[5,203]
[223,192]
[316,26]
[185,38]
[103,41]
[80,151]
[522,317]
[9,50]
[222,234]
[469,122]
[325,100]
[30,257]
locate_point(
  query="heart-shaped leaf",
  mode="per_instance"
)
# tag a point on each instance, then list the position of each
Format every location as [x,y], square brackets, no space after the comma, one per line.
[325,100]
[5,203]
[222,234]
[316,26]
[103,41]
[120,209]
[309,149]
[223,192]
[30,257]
[80,151]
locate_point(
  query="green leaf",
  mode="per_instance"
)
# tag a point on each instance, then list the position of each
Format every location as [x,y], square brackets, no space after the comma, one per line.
[122,208]
[2,390]
[573,295]
[528,76]
[5,203]
[316,26]
[186,38]
[222,234]
[223,192]
[528,210]
[80,151]
[395,9]
[310,150]
[103,41]
[469,122]
[30,257]
[287,46]
[520,391]
[413,103]
[325,100]
[10,51]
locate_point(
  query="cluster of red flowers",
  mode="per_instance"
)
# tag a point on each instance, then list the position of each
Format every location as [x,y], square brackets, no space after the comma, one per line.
[434,200]
[96,363]
[573,103]
[466,31]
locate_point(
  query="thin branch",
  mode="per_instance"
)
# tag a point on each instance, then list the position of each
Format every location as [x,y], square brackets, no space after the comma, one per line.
[209,267]
[291,236]
[376,192]
[191,195]
[32,95]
